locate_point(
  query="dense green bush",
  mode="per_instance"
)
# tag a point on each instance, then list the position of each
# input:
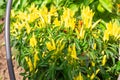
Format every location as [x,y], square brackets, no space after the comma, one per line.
[60,43]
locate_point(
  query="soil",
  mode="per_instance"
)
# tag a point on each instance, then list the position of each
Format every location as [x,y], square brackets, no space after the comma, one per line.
[4,75]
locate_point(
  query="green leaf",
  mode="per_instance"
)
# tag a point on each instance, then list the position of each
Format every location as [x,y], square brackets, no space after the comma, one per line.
[23,3]
[16,4]
[107,4]
[74,7]
[1,2]
[118,66]
[90,1]
[86,2]
[2,12]
[42,75]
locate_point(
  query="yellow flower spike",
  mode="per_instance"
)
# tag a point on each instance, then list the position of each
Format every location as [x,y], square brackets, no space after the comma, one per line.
[36,58]
[56,22]
[103,52]
[97,71]
[94,46]
[106,36]
[69,49]
[62,46]
[43,54]
[32,17]
[104,60]
[51,45]
[22,16]
[53,10]
[44,14]
[44,10]
[29,62]
[113,29]
[71,23]
[87,16]
[92,63]
[116,30]
[12,13]
[72,51]
[95,35]
[33,41]
[27,59]
[82,33]
[89,68]
[94,74]
[28,28]
[31,7]
[79,77]
[88,75]
[49,18]
[68,13]
[21,25]
[109,28]
[68,18]
[41,23]
[18,25]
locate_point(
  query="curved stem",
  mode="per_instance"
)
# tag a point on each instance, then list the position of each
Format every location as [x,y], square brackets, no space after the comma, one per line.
[7,41]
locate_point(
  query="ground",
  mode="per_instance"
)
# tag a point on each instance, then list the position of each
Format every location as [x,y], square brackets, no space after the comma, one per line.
[4,75]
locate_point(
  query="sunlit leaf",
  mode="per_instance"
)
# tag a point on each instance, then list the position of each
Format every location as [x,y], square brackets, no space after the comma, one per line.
[107,4]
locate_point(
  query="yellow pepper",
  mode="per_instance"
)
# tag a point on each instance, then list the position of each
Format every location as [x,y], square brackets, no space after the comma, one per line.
[29,62]
[51,45]
[87,16]
[72,51]
[36,58]
[104,60]
[33,41]
[79,77]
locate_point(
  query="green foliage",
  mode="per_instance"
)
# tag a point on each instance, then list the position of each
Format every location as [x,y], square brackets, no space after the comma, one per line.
[2,8]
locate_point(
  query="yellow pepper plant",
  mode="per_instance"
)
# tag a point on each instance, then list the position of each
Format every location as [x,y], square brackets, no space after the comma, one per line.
[54,44]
